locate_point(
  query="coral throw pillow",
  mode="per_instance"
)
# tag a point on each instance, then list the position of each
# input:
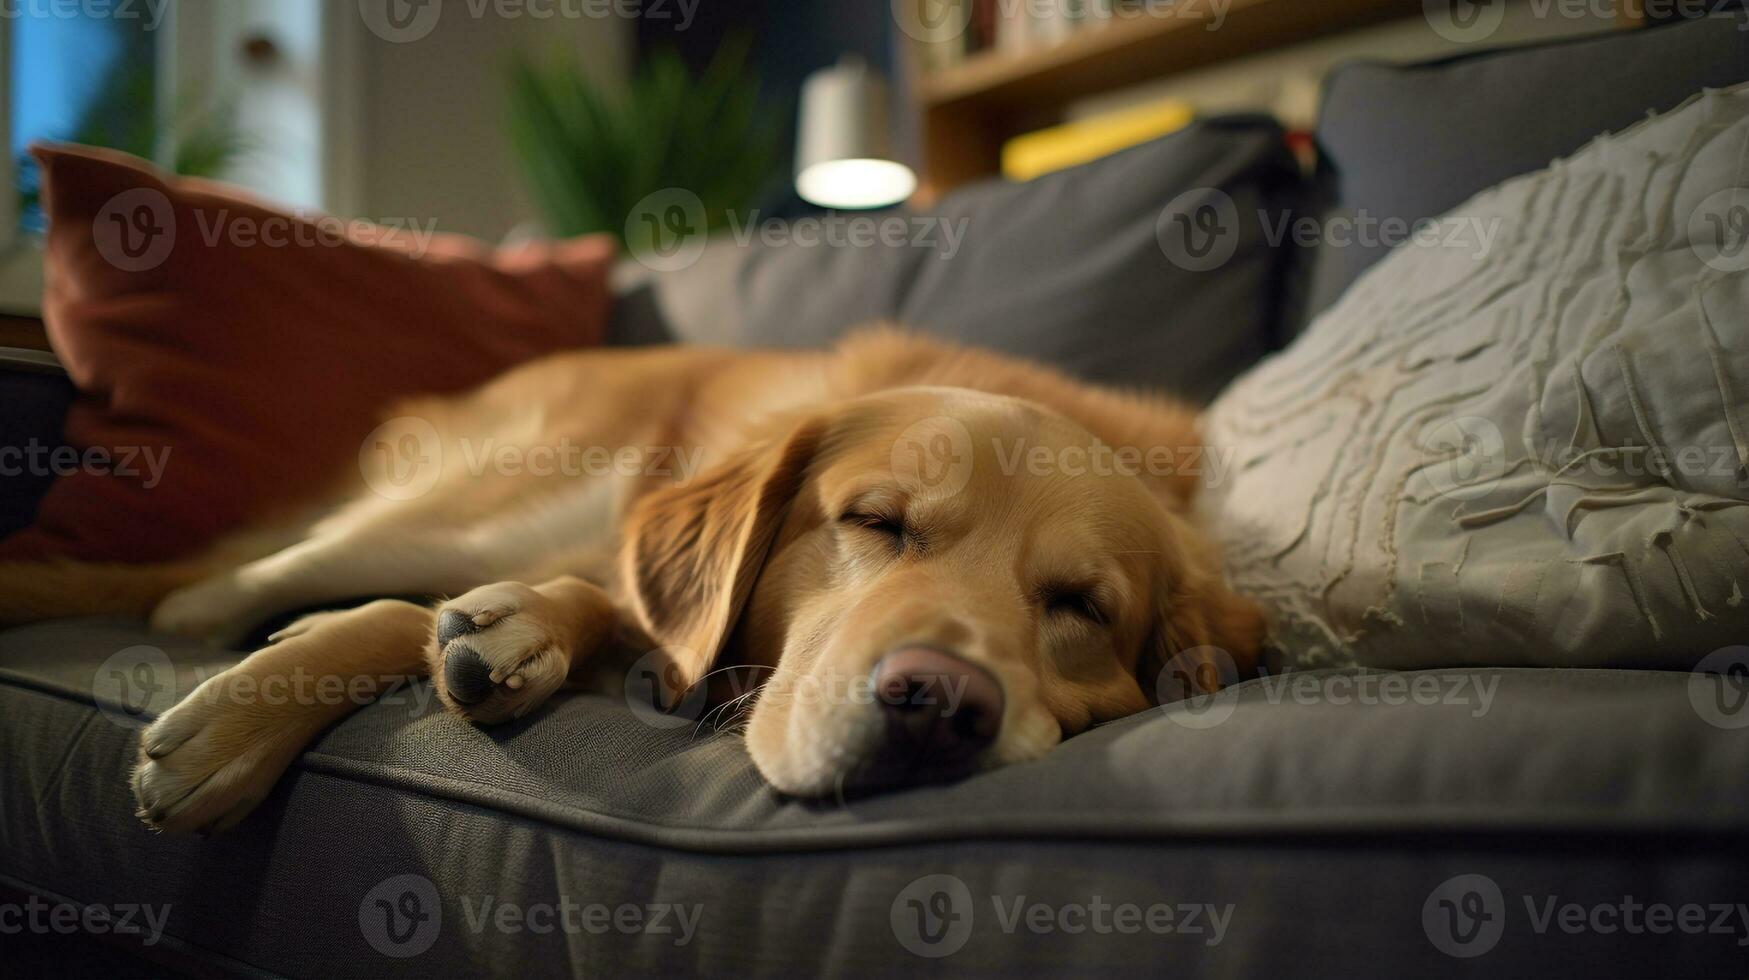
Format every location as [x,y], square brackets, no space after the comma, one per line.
[230,357]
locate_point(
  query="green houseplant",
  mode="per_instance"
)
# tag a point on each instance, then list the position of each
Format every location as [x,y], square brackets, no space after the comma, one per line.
[590,158]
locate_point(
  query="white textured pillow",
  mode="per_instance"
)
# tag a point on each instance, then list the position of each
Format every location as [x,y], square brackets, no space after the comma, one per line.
[1520,439]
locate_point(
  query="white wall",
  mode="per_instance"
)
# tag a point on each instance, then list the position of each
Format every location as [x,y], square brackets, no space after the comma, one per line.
[432,142]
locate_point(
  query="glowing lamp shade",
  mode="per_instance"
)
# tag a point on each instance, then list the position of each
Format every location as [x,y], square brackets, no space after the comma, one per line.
[844,155]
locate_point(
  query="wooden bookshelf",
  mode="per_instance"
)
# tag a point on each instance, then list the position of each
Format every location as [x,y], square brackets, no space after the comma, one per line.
[969,109]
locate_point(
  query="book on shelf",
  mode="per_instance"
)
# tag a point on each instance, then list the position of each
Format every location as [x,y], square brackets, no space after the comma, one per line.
[1009,26]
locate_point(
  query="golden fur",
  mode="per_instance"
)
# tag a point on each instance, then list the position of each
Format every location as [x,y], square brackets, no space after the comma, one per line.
[817,533]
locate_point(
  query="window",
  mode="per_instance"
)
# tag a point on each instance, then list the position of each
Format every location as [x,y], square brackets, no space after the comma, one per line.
[218,88]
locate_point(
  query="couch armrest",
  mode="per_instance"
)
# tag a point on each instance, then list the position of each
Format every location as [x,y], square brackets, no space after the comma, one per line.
[34,396]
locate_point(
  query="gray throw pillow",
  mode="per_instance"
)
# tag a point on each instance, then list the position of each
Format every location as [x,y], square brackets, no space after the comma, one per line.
[1400,143]
[1523,439]
[1075,269]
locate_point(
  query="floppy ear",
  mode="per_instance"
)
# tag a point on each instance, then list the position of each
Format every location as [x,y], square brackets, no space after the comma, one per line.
[692,553]
[1206,635]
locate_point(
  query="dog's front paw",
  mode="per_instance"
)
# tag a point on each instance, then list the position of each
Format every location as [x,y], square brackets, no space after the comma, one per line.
[204,764]
[500,652]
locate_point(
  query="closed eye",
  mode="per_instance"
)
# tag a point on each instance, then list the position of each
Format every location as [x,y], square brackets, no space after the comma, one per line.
[890,528]
[1073,602]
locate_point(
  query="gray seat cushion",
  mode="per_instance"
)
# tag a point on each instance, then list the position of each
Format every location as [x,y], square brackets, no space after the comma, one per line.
[1297,809]
[1401,143]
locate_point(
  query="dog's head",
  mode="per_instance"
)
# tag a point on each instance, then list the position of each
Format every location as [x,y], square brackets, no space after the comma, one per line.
[935,581]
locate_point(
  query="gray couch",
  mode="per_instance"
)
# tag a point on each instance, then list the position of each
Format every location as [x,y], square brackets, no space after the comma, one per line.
[1488,822]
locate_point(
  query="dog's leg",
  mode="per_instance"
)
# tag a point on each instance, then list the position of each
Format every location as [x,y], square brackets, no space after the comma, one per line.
[334,565]
[209,760]
[374,548]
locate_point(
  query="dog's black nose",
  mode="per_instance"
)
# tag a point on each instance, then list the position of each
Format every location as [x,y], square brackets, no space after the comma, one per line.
[941,712]
[466,674]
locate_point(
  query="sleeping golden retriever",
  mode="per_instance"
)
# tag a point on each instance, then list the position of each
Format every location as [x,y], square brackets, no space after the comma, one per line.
[935,560]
